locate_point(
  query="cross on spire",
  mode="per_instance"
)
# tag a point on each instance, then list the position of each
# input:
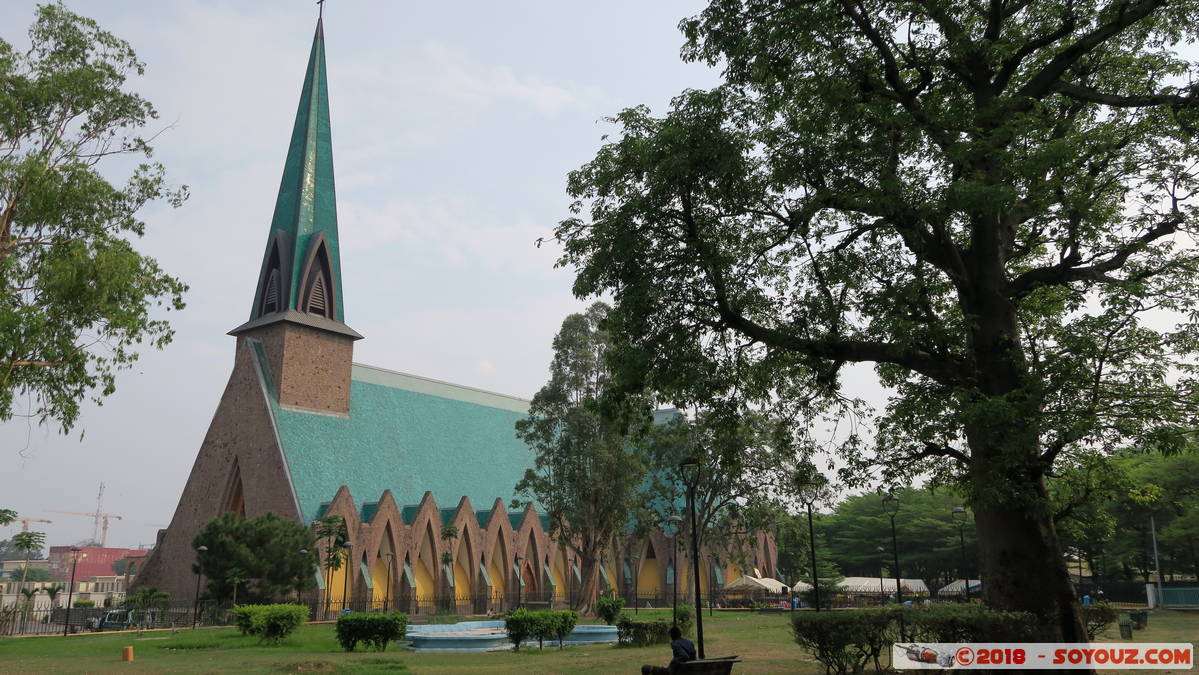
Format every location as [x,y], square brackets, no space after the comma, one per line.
[321,9]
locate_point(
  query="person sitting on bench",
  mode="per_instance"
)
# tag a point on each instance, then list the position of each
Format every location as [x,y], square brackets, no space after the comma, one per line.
[684,650]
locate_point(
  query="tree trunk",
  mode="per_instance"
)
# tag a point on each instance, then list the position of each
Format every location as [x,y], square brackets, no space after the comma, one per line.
[1022,567]
[585,602]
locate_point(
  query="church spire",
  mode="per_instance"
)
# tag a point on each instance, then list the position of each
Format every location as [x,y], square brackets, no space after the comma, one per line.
[300,277]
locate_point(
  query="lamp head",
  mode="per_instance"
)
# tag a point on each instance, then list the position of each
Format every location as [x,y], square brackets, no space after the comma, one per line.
[200,549]
[689,467]
[959,514]
[890,504]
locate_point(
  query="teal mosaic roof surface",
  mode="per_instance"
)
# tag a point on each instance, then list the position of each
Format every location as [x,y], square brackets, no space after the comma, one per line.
[409,435]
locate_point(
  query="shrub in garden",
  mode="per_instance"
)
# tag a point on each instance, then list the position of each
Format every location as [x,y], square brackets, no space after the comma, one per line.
[967,623]
[684,618]
[83,604]
[608,609]
[519,624]
[373,630]
[1097,618]
[642,632]
[564,624]
[243,617]
[845,641]
[271,623]
[545,626]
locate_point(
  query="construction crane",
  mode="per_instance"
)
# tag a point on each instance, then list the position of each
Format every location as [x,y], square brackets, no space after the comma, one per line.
[98,517]
[25,522]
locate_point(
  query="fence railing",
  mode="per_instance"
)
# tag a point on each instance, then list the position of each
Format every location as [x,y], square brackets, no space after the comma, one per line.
[19,620]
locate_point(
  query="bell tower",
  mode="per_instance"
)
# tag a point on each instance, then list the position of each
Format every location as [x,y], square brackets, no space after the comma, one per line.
[297,316]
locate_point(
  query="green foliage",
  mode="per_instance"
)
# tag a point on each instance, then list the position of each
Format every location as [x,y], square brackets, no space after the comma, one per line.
[258,558]
[743,459]
[984,206]
[373,630]
[1098,617]
[642,632]
[523,625]
[84,604]
[685,618]
[608,609]
[32,574]
[586,470]
[927,535]
[270,623]
[7,516]
[519,625]
[148,598]
[844,642]
[243,617]
[968,623]
[78,298]
[564,623]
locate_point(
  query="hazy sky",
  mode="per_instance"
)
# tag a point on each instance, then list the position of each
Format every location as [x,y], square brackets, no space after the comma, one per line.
[454,125]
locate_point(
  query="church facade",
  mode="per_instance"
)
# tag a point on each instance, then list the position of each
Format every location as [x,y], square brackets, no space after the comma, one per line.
[420,470]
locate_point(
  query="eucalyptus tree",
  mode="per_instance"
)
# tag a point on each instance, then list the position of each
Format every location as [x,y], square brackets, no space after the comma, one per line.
[587,468]
[76,297]
[988,201]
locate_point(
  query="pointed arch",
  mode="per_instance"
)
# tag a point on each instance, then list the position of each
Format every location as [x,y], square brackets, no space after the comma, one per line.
[273,282]
[649,574]
[383,570]
[317,292]
[235,498]
[498,568]
[424,567]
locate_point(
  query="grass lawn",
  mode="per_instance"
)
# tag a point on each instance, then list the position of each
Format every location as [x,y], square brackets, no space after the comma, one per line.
[763,641]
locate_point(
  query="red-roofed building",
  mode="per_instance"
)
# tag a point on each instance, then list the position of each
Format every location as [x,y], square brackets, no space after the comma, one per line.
[94,561]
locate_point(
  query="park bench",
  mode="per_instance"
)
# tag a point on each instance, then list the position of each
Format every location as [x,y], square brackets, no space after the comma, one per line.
[717,666]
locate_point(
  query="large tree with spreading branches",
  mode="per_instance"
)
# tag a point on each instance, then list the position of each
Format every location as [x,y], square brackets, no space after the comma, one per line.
[991,202]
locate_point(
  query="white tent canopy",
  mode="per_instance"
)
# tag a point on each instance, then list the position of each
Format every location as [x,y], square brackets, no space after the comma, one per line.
[748,583]
[801,587]
[875,586]
[955,587]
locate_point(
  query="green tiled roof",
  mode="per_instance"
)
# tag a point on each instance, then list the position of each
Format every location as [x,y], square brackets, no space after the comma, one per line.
[483,517]
[408,513]
[368,511]
[409,435]
[515,519]
[447,515]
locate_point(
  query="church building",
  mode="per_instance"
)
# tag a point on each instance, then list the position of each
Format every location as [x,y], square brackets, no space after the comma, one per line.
[304,432]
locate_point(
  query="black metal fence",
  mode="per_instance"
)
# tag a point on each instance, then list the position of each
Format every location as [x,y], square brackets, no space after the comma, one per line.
[21,620]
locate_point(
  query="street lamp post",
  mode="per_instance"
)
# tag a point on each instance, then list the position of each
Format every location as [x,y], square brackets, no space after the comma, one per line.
[387,593]
[345,581]
[570,581]
[303,554]
[959,514]
[677,522]
[891,507]
[66,627]
[808,492]
[636,573]
[196,608]
[882,590]
[519,578]
[689,467]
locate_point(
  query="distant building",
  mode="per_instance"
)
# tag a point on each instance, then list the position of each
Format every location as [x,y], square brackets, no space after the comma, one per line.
[94,561]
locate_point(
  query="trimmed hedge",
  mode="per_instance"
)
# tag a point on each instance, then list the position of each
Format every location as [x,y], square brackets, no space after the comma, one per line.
[642,632]
[846,641]
[967,623]
[608,609]
[374,630]
[271,623]
[523,625]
